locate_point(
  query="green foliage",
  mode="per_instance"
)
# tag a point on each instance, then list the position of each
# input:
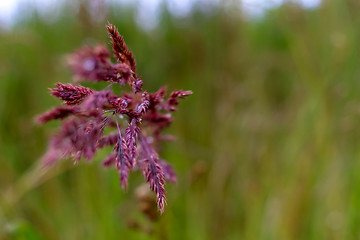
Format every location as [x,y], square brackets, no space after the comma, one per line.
[267,147]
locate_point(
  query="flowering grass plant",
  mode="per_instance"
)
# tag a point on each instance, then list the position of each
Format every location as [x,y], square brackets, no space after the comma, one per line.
[137,117]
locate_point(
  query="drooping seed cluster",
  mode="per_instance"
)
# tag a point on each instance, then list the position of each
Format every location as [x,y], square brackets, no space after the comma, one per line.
[137,117]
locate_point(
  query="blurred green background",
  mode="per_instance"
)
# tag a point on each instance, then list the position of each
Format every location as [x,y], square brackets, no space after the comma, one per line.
[268,146]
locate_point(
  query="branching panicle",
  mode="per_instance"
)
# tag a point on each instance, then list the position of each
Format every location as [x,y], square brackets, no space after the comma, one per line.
[173,99]
[122,161]
[57,113]
[70,94]
[155,177]
[98,100]
[152,171]
[120,49]
[108,140]
[138,117]
[93,64]
[168,171]
[131,134]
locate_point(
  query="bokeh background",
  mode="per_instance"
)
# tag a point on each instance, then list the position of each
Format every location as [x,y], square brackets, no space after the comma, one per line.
[268,146]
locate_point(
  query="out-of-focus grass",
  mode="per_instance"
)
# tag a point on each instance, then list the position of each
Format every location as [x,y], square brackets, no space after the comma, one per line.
[268,146]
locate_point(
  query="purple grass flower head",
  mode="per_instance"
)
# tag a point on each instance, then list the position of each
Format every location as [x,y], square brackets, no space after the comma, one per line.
[108,140]
[130,141]
[173,99]
[144,105]
[136,117]
[99,100]
[168,171]
[70,94]
[57,113]
[121,51]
